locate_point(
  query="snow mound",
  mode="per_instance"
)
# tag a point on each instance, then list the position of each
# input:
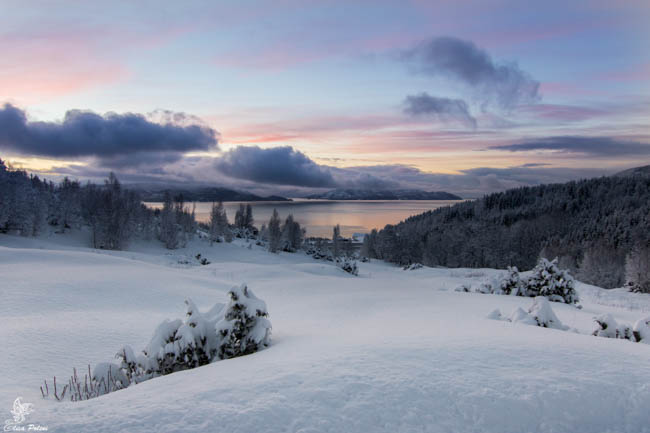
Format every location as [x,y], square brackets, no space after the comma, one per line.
[641,330]
[608,327]
[539,314]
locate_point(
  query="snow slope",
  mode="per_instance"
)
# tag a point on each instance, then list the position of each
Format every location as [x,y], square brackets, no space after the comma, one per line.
[388,351]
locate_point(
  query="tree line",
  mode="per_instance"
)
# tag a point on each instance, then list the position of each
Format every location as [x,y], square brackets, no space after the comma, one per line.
[114,214]
[597,228]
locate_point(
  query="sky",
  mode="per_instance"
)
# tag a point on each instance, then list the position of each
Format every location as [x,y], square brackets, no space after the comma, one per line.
[292,97]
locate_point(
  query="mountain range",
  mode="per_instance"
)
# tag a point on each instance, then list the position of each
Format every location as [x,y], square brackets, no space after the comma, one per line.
[400,194]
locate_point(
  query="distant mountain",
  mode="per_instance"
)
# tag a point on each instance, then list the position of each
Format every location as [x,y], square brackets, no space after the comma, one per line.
[400,194]
[637,171]
[205,194]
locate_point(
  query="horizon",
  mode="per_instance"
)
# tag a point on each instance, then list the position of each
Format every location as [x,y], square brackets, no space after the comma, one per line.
[292,99]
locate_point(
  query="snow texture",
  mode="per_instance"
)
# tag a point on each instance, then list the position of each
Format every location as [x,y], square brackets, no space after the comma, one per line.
[388,351]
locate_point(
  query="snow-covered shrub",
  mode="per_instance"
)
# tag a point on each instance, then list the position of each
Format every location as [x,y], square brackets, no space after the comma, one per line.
[607,326]
[495,315]
[244,327]
[641,330]
[511,283]
[521,316]
[412,266]
[464,288]
[109,377]
[178,345]
[543,314]
[348,264]
[485,288]
[551,282]
[225,331]
[202,260]
[539,314]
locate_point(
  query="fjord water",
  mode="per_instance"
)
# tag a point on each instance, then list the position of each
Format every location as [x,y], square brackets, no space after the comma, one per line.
[318,216]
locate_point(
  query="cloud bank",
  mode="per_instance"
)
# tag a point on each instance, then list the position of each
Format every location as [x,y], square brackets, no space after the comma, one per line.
[278,165]
[115,139]
[443,109]
[502,83]
[284,169]
[595,146]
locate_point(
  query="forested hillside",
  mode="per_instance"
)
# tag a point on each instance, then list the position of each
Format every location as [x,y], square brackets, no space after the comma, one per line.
[595,227]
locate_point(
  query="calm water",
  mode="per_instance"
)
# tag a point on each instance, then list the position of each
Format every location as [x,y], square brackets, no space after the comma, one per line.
[319,216]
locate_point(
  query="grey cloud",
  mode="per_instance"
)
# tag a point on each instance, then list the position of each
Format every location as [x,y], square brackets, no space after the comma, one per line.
[277,165]
[116,139]
[504,83]
[597,146]
[443,109]
[478,181]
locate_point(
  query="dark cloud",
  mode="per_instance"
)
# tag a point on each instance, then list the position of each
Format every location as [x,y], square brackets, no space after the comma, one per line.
[596,146]
[277,165]
[503,83]
[534,164]
[116,139]
[443,109]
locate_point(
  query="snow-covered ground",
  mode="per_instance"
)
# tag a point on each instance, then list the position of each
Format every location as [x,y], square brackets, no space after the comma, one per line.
[387,351]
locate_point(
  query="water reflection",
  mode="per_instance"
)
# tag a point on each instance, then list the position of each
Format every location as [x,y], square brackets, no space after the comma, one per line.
[319,216]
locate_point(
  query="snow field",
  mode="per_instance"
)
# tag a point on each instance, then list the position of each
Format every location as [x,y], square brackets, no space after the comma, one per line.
[388,351]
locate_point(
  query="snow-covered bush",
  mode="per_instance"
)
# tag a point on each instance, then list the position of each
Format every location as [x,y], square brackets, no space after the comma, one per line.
[225,331]
[244,327]
[464,288]
[551,282]
[177,345]
[543,314]
[607,326]
[111,375]
[539,314]
[641,330]
[511,283]
[485,288]
[521,316]
[495,315]
[348,264]
[202,260]
[412,266]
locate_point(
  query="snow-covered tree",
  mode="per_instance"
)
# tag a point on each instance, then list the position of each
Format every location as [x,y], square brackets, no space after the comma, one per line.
[602,266]
[170,233]
[336,239]
[245,327]
[219,230]
[548,280]
[511,284]
[637,269]
[367,247]
[239,217]
[248,217]
[292,235]
[274,232]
